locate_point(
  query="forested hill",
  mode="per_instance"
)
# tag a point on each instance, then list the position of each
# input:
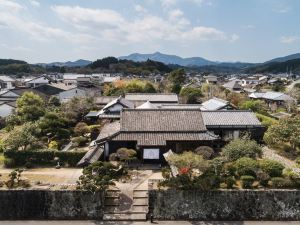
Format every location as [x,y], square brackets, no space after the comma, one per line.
[112,64]
[276,67]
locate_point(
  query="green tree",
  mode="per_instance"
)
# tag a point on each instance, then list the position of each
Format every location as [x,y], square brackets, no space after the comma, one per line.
[149,88]
[30,107]
[285,131]
[241,148]
[191,95]
[21,136]
[81,128]
[54,126]
[99,176]
[254,105]
[176,79]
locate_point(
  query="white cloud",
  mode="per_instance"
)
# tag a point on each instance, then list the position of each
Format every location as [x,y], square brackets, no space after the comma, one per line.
[288,39]
[16,48]
[112,26]
[140,9]
[10,6]
[234,38]
[34,3]
[248,26]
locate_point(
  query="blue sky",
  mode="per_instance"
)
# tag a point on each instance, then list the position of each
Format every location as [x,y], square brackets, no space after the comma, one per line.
[220,30]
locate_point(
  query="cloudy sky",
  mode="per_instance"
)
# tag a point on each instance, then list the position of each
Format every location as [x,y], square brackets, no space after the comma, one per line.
[220,30]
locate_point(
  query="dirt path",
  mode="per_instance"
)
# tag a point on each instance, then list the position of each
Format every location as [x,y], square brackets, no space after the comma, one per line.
[271,154]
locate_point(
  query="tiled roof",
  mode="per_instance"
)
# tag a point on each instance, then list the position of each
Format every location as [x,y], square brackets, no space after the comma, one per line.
[103,100]
[160,138]
[155,97]
[234,84]
[162,120]
[180,106]
[108,130]
[6,79]
[230,118]
[272,96]
[147,105]
[214,104]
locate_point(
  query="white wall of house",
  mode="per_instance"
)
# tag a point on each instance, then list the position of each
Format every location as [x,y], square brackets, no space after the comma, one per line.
[37,82]
[6,110]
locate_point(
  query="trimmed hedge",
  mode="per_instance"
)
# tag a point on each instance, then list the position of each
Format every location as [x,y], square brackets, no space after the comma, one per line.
[43,157]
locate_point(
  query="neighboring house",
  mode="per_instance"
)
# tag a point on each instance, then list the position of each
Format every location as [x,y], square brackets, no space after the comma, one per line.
[71,78]
[232,124]
[13,94]
[158,78]
[211,79]
[273,99]
[254,80]
[102,101]
[65,96]
[154,98]
[7,83]
[181,106]
[234,85]
[37,81]
[153,132]
[217,104]
[88,81]
[7,108]
[113,109]
[53,88]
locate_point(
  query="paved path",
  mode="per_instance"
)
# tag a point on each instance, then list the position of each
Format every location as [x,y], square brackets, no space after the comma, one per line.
[271,154]
[148,223]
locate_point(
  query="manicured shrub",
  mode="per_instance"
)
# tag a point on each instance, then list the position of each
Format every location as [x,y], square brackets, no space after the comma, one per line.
[298,160]
[53,145]
[125,154]
[271,167]
[81,128]
[205,151]
[239,148]
[263,178]
[42,157]
[280,182]
[230,182]
[9,163]
[80,141]
[247,181]
[113,157]
[246,166]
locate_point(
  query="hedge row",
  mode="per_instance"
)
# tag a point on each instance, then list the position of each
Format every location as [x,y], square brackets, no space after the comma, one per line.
[42,157]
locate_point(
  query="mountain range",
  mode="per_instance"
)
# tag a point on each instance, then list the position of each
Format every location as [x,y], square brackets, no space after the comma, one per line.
[77,63]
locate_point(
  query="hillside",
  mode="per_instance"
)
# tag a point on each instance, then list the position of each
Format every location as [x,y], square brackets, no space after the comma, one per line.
[276,67]
[285,58]
[111,64]
[77,63]
[168,59]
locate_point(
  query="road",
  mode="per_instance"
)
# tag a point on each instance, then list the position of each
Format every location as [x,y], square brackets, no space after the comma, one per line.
[148,223]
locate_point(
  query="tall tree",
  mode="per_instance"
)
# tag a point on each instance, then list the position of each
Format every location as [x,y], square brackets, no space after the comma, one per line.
[176,79]
[30,107]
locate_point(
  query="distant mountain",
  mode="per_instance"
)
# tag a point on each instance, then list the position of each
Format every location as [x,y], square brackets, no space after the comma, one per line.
[169,59]
[276,67]
[77,63]
[285,58]
[6,62]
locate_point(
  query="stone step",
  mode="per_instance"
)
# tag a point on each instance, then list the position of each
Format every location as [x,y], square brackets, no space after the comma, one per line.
[125,217]
[140,194]
[140,201]
[139,208]
[112,193]
[111,202]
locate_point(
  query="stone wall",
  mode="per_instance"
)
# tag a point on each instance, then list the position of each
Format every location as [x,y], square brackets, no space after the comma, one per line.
[46,204]
[225,205]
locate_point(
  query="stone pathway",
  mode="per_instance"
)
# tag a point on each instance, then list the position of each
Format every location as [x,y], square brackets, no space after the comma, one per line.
[271,154]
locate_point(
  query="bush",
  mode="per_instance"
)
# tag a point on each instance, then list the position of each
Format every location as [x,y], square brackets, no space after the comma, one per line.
[246,166]
[280,182]
[113,157]
[53,145]
[205,151]
[263,178]
[298,160]
[241,148]
[271,167]
[247,181]
[125,154]
[230,182]
[43,157]
[81,128]
[9,163]
[80,141]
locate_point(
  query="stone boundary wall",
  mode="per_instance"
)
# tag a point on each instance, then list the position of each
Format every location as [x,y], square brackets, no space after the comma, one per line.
[46,204]
[225,205]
